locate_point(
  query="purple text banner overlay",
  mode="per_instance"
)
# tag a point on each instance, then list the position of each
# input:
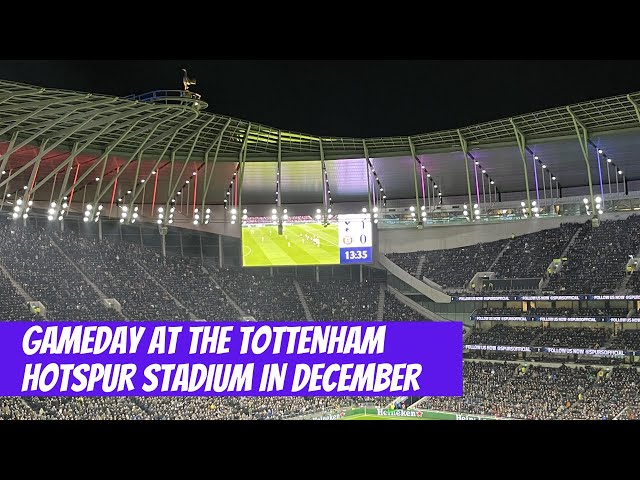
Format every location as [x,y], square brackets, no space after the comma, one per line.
[230,359]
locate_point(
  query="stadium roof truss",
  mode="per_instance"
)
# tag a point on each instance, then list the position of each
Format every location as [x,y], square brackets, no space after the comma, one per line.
[46,133]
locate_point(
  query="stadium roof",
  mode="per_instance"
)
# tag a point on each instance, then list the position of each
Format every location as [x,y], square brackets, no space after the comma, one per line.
[58,121]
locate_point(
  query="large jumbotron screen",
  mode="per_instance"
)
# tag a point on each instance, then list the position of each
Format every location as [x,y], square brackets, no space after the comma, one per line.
[346,242]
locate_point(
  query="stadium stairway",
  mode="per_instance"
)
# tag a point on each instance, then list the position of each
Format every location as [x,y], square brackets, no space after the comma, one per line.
[504,249]
[380,315]
[427,290]
[416,307]
[226,295]
[420,265]
[100,293]
[162,287]
[303,301]
[18,288]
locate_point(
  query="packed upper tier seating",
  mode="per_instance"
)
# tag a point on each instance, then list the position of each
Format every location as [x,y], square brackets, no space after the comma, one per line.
[598,257]
[504,335]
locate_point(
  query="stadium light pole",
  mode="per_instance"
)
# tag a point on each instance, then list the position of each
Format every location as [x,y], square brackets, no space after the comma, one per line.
[366,155]
[583,139]
[463,144]
[209,176]
[414,163]
[240,180]
[323,169]
[522,146]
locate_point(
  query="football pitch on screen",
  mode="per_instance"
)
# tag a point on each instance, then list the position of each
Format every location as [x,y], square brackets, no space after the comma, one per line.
[300,244]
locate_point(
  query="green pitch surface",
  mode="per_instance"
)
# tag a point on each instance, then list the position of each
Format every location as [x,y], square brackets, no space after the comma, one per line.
[263,247]
[375,417]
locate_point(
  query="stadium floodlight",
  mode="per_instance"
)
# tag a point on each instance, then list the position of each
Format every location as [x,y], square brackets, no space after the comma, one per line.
[484,171]
[412,208]
[273,217]
[171,215]
[375,209]
[85,219]
[100,207]
[180,193]
[284,217]
[122,220]
[464,206]
[375,215]
[428,175]
[413,214]
[534,203]
[619,172]
[233,222]
[87,213]
[492,182]
[598,200]
[19,201]
[208,210]
[375,220]
[206,222]
[153,172]
[381,189]
[244,217]
[439,194]
[535,209]
[51,211]
[476,211]
[536,158]
[89,206]
[196,216]
[128,192]
[8,195]
[364,210]
[60,218]
[65,205]
[475,205]
[14,215]
[16,209]
[125,208]
[27,209]
[317,210]
[135,215]
[30,202]
[424,214]
[196,210]
[609,160]
[553,178]
[600,212]
[50,218]
[477,217]
[233,211]
[160,209]
[3,172]
[318,217]
[195,173]
[97,179]
[477,162]
[537,215]
[195,222]
[600,151]
[207,216]
[142,181]
[522,204]
[173,209]
[435,186]
[188,181]
[170,221]
[544,166]
[124,215]
[132,221]
[466,213]
[158,221]
[25,188]
[585,201]
[384,197]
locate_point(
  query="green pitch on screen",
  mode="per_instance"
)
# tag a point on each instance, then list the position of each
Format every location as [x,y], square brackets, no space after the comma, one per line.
[300,244]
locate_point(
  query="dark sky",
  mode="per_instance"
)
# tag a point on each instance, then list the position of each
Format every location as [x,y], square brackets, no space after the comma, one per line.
[363,98]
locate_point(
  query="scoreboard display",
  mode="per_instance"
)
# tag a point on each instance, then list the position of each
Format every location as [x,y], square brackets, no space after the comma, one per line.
[346,240]
[355,239]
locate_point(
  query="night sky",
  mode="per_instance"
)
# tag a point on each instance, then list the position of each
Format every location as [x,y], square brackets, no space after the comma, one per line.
[350,97]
